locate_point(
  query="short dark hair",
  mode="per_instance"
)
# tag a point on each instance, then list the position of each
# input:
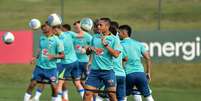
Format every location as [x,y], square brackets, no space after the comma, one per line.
[108,20]
[114,27]
[42,26]
[66,26]
[57,26]
[127,28]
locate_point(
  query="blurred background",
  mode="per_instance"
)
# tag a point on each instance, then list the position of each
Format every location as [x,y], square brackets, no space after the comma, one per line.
[170,29]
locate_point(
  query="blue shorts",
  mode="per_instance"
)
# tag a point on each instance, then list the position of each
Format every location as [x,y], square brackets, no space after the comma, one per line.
[121,87]
[44,75]
[68,71]
[138,80]
[96,77]
[83,70]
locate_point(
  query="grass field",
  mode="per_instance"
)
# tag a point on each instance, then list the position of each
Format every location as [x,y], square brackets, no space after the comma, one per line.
[170,82]
[141,14]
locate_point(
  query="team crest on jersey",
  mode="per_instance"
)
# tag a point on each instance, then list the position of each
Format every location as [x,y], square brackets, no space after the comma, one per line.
[44,52]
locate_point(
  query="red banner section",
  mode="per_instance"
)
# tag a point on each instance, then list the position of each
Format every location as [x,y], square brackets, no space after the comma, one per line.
[20,51]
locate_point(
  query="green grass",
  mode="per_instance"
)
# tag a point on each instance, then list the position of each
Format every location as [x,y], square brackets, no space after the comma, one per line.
[141,14]
[170,82]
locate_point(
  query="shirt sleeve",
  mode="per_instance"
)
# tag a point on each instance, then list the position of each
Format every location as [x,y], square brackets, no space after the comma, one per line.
[142,48]
[116,45]
[124,54]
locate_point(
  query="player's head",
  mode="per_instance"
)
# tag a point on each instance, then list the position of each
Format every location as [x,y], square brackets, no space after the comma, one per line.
[57,29]
[46,29]
[66,27]
[125,31]
[114,27]
[77,27]
[103,25]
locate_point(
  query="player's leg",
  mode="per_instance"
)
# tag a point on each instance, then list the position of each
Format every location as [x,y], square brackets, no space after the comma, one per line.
[54,91]
[109,81]
[91,85]
[76,75]
[29,90]
[36,77]
[136,95]
[130,83]
[51,75]
[142,86]
[121,88]
[65,91]
[101,96]
[83,72]
[39,91]
[61,72]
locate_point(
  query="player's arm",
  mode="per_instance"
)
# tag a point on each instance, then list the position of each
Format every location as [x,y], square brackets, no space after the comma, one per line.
[147,58]
[57,56]
[89,63]
[112,51]
[33,60]
[60,51]
[124,56]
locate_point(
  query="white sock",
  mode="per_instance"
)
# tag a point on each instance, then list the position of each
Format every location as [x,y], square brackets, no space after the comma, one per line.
[38,94]
[27,96]
[65,94]
[81,91]
[137,97]
[149,98]
[98,98]
[59,96]
[125,99]
[54,99]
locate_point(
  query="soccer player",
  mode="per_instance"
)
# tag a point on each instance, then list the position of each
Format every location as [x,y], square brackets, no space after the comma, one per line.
[81,41]
[69,65]
[41,85]
[104,47]
[51,49]
[135,75]
[118,66]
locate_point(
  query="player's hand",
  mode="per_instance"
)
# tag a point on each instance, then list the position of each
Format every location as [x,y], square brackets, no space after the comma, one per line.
[33,60]
[148,75]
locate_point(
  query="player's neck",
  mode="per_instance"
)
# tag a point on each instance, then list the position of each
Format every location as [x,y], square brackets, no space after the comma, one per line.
[48,34]
[107,33]
[80,32]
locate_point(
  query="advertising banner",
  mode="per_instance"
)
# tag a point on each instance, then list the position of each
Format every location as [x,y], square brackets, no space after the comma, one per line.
[20,51]
[172,46]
